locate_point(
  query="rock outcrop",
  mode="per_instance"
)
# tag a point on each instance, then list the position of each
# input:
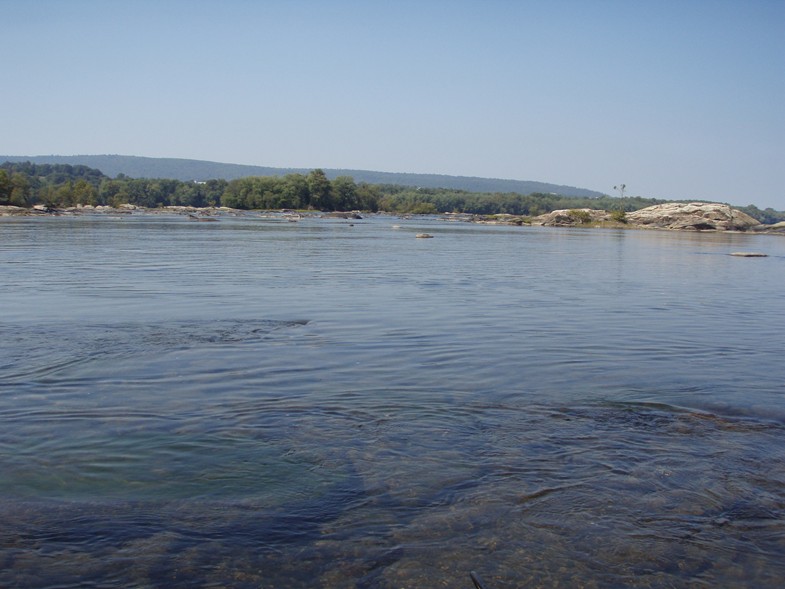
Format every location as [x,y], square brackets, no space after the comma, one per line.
[571,217]
[776,228]
[694,216]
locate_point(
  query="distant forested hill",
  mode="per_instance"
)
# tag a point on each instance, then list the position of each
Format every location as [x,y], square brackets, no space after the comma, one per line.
[59,185]
[185,170]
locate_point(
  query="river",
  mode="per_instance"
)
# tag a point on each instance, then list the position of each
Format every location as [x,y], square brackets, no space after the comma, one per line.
[257,402]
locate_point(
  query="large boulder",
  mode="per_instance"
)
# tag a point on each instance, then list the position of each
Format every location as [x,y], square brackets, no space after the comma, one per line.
[695,216]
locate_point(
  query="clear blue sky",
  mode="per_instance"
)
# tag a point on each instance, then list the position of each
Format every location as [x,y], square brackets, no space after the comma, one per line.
[676,99]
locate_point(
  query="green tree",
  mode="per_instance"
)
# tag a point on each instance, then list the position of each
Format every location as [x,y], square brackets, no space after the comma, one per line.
[64,196]
[84,192]
[113,192]
[5,187]
[344,194]
[213,190]
[295,191]
[267,193]
[20,190]
[319,190]
[238,194]
[368,196]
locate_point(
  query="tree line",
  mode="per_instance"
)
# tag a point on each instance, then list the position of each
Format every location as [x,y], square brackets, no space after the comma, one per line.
[62,185]
[440,200]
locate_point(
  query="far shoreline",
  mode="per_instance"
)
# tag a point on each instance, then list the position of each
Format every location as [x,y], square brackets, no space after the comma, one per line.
[577,218]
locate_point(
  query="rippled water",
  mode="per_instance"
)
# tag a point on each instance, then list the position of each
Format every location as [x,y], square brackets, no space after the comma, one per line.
[260,403]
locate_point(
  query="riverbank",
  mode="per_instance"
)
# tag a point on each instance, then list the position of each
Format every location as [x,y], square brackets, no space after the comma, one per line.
[701,217]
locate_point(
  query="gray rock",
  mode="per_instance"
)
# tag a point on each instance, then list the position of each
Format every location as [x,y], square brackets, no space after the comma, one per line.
[694,216]
[571,217]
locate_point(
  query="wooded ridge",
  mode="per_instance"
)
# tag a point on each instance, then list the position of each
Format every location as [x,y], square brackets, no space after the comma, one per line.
[26,184]
[187,169]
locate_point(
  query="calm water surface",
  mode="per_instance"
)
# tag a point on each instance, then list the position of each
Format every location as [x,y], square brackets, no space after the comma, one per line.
[261,403]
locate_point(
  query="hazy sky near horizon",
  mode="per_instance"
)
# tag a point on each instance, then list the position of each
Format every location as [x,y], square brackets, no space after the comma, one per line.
[677,99]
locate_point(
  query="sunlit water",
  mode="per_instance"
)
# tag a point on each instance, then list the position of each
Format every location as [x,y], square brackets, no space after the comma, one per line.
[324,403]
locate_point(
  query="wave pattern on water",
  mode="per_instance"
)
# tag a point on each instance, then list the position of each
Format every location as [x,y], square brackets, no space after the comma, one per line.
[85,343]
[597,409]
[628,494]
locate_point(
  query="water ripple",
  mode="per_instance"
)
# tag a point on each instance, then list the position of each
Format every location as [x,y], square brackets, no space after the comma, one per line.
[573,408]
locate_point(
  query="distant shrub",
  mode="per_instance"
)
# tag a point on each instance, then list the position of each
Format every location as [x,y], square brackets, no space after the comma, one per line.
[582,217]
[423,208]
[619,216]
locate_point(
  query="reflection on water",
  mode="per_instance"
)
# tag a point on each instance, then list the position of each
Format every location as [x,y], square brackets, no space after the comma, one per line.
[259,404]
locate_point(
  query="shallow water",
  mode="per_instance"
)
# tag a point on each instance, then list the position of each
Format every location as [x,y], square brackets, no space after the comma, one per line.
[260,403]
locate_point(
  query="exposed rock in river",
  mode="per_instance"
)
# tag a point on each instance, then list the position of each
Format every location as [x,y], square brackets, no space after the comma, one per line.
[695,216]
[571,217]
[776,228]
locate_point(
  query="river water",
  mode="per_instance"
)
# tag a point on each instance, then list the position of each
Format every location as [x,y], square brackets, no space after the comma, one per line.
[325,403]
